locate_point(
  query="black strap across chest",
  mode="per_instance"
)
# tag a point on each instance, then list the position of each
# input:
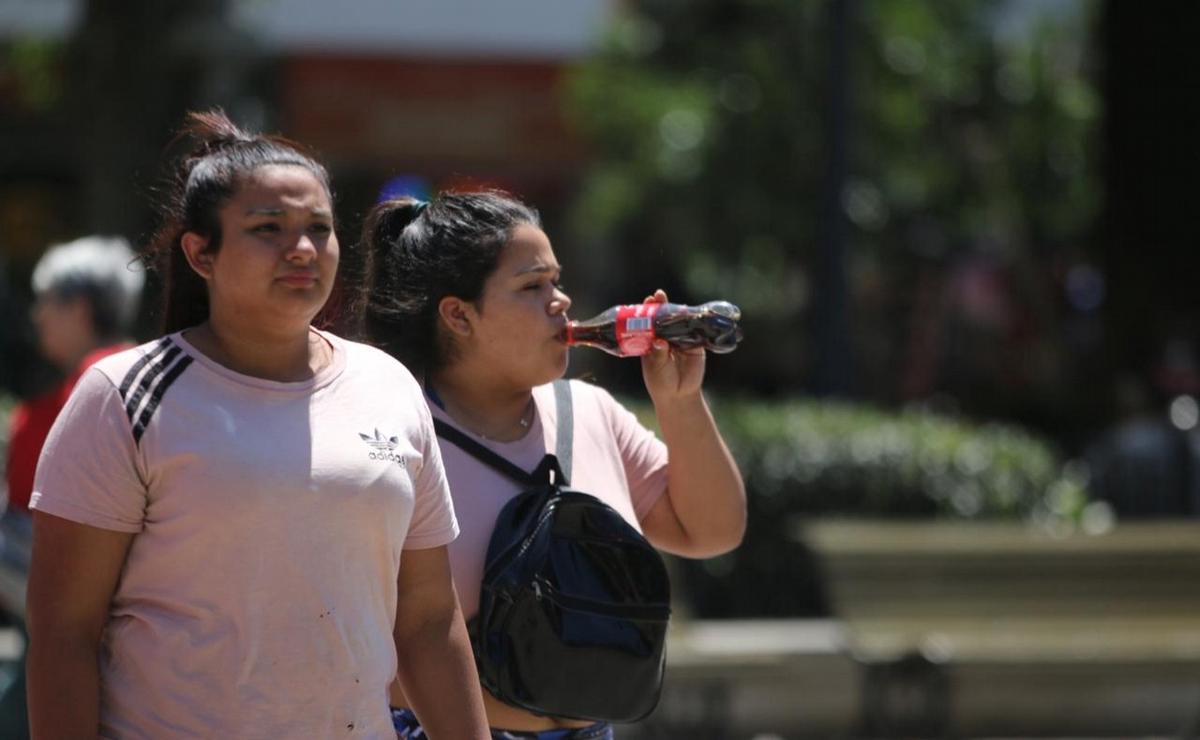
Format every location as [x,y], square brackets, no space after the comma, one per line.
[554,468]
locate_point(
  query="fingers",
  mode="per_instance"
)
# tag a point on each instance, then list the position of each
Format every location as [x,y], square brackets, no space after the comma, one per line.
[659,354]
[659,296]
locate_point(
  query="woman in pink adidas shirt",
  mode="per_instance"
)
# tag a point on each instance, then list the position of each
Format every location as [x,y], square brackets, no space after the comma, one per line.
[237,533]
[465,290]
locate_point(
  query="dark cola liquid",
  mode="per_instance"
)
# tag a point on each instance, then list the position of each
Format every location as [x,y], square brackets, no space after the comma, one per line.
[712,326]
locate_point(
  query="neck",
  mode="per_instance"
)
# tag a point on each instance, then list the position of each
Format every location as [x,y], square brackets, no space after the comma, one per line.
[499,414]
[262,354]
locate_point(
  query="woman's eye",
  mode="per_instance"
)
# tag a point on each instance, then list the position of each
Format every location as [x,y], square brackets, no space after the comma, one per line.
[539,285]
[268,228]
[321,228]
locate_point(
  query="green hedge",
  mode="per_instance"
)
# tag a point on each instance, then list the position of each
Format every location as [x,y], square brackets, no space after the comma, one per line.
[805,458]
[844,458]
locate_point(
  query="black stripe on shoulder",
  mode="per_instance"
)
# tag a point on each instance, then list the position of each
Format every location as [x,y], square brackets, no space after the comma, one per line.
[135,399]
[127,382]
[156,397]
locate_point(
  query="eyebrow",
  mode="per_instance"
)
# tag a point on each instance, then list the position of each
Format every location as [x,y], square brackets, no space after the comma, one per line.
[539,269]
[323,213]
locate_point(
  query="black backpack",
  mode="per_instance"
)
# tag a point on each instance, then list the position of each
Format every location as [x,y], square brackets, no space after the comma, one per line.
[575,602]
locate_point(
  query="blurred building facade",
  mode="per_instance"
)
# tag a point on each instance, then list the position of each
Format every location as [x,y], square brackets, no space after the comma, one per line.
[439,91]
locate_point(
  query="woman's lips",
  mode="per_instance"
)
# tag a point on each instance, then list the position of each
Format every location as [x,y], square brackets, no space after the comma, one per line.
[299,280]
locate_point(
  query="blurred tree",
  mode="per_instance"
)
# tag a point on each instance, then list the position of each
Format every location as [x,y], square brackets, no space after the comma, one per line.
[970,187]
[135,67]
[88,118]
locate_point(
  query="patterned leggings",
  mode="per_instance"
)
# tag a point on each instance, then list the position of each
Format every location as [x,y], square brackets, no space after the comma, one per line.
[408,728]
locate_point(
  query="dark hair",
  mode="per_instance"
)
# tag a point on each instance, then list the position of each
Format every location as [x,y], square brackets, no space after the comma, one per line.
[416,254]
[206,175]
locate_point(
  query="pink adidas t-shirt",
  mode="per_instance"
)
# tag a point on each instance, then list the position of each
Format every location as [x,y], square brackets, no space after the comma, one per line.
[259,594]
[615,459]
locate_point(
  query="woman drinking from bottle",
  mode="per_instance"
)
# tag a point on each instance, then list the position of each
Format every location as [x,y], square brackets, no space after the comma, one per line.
[236,534]
[465,290]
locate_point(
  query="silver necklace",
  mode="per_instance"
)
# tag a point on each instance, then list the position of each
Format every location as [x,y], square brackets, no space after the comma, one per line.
[524,422]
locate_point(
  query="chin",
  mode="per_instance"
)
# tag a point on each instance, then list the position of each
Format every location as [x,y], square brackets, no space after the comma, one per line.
[564,361]
[550,374]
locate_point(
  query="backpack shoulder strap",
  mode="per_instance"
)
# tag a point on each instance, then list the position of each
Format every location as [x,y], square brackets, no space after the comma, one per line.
[566,427]
[483,454]
[556,468]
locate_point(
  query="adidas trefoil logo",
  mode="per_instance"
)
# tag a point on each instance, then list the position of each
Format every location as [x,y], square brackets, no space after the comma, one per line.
[382,448]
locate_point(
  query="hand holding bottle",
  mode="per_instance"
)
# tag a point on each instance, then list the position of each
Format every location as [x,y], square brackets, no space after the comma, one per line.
[630,331]
[671,372]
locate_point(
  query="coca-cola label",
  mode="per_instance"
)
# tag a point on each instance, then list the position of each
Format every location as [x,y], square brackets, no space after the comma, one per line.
[635,328]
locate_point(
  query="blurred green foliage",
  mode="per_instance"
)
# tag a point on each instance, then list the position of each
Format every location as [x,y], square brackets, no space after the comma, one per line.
[972,132]
[808,458]
[828,457]
[854,459]
[31,74]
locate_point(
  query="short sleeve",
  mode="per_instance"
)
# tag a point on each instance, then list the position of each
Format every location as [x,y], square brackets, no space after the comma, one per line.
[88,471]
[433,521]
[643,455]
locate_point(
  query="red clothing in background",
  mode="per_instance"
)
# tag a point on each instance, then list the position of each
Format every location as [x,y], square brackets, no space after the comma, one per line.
[31,422]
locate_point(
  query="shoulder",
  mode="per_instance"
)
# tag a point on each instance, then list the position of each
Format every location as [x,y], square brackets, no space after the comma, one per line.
[364,358]
[97,355]
[581,390]
[373,373]
[589,401]
[121,367]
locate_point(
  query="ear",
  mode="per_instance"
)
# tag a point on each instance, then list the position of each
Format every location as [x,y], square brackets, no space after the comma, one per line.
[456,314]
[195,250]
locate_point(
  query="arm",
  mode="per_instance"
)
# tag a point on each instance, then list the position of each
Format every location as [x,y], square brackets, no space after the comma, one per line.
[703,512]
[72,576]
[436,667]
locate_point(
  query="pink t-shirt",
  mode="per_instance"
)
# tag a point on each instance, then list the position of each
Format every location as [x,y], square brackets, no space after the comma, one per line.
[259,594]
[615,459]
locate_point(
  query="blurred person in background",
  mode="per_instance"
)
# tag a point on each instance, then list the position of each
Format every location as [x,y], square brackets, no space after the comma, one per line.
[465,290]
[86,296]
[87,293]
[235,533]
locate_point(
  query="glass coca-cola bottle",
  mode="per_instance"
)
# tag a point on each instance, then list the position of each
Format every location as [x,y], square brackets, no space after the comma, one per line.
[628,331]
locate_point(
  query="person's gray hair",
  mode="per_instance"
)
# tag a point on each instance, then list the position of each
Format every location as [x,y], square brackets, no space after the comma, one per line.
[102,268]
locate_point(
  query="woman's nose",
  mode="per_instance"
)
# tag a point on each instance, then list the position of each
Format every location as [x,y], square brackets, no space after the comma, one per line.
[302,249]
[560,302]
